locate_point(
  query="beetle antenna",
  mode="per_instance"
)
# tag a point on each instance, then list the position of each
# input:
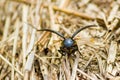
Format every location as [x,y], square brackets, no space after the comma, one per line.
[80,29]
[59,34]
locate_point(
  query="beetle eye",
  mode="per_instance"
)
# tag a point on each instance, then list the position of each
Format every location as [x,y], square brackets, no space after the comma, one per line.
[68,42]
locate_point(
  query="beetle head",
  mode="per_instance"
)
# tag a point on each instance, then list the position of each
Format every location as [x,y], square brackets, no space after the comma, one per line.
[68,42]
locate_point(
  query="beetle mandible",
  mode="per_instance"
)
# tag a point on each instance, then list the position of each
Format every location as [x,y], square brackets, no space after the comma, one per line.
[69,45]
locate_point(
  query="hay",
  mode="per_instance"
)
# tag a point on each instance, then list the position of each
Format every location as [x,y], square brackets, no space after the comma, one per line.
[26,54]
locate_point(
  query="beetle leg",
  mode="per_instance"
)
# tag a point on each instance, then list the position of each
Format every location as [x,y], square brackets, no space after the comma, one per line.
[62,51]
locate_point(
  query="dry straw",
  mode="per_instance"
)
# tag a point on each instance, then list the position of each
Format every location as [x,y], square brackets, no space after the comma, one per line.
[26,54]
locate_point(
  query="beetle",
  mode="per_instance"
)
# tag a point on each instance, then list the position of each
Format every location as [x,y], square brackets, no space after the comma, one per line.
[69,45]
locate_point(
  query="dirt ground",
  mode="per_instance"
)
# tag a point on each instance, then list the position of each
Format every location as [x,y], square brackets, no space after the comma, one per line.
[29,52]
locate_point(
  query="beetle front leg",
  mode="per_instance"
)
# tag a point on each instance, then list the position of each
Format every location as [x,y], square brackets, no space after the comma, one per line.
[62,51]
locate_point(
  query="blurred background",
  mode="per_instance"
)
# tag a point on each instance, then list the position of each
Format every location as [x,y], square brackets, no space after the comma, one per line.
[28,54]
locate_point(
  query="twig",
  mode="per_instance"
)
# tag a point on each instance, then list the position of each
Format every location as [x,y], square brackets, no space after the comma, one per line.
[74,69]
[83,73]
[10,64]
[15,46]
[7,25]
[25,30]
[72,12]
[4,75]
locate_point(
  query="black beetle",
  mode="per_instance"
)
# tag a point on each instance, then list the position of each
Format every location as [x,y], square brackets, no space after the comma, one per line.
[69,45]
